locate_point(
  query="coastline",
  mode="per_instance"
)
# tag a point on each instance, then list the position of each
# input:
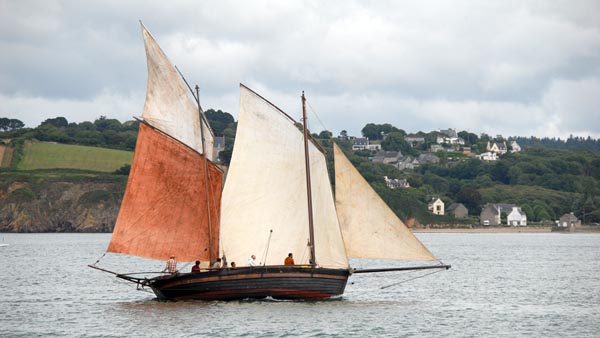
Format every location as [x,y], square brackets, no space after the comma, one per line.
[498,230]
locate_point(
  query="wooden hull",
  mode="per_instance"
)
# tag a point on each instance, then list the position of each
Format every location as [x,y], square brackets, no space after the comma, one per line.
[279,282]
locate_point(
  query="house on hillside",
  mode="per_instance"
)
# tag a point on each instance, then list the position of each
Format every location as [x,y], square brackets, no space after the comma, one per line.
[515,147]
[414,141]
[435,147]
[436,206]
[487,156]
[362,143]
[568,220]
[449,132]
[490,215]
[407,162]
[218,144]
[458,210]
[497,147]
[396,183]
[387,157]
[516,217]
[428,158]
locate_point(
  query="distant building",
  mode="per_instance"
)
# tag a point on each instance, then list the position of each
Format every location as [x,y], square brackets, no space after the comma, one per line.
[496,147]
[436,147]
[490,215]
[458,210]
[414,141]
[568,220]
[516,217]
[428,158]
[362,143]
[515,147]
[436,206]
[218,144]
[396,183]
[449,132]
[387,157]
[487,156]
[407,162]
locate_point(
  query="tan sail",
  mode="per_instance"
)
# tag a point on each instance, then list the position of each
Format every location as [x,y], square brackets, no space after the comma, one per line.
[265,191]
[169,107]
[369,227]
[164,209]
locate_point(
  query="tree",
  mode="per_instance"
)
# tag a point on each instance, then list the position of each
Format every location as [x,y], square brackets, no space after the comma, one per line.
[58,122]
[377,131]
[499,172]
[325,134]
[218,120]
[7,124]
[471,198]
[395,142]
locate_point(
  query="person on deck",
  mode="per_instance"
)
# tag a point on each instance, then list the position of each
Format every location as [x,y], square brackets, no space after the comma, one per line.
[252,261]
[289,260]
[217,264]
[196,267]
[171,265]
[233,264]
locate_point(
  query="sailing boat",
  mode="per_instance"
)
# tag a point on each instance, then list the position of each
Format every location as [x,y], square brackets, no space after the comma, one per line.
[277,199]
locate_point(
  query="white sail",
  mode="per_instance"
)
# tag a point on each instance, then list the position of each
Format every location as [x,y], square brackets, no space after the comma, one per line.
[167,94]
[369,227]
[265,191]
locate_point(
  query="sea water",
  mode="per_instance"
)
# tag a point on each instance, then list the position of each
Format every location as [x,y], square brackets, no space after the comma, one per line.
[500,285]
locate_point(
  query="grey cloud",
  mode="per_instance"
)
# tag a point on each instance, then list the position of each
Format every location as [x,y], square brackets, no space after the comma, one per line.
[419,65]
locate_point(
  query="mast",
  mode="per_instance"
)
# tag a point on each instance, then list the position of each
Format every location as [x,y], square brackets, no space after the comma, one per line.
[210,241]
[311,230]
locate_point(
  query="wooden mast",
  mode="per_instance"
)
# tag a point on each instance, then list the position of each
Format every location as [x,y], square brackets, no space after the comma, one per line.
[210,238]
[311,230]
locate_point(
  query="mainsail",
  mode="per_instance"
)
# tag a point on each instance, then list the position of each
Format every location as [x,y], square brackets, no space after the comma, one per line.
[369,227]
[171,204]
[264,207]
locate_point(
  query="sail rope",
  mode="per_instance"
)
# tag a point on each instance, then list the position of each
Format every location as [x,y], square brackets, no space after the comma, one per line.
[98,260]
[316,115]
[305,253]
[264,257]
[410,279]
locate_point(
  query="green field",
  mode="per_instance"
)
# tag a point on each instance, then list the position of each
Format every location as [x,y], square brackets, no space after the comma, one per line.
[53,155]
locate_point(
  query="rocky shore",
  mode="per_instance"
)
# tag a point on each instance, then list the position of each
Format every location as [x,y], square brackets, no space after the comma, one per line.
[50,205]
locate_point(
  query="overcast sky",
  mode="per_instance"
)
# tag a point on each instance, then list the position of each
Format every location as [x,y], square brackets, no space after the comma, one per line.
[517,68]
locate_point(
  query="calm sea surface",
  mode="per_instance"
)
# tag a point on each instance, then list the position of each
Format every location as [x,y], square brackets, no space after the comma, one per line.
[500,285]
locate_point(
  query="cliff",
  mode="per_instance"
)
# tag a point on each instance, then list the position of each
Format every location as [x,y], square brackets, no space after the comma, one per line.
[55,203]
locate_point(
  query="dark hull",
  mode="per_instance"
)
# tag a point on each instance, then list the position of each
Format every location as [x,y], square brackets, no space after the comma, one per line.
[279,282]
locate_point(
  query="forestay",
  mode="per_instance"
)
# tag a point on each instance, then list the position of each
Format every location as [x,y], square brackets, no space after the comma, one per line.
[265,191]
[369,227]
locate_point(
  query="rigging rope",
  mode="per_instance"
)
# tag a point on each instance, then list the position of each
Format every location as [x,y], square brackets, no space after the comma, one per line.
[264,257]
[408,280]
[98,260]
[317,116]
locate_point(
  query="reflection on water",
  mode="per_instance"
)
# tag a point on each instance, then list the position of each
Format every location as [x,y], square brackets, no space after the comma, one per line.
[501,285]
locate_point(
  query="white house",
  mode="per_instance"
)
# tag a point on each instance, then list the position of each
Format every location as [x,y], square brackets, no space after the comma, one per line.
[487,156]
[515,147]
[516,217]
[436,206]
[362,143]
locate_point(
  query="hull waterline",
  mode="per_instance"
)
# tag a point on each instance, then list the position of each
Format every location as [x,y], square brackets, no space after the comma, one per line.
[279,282]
